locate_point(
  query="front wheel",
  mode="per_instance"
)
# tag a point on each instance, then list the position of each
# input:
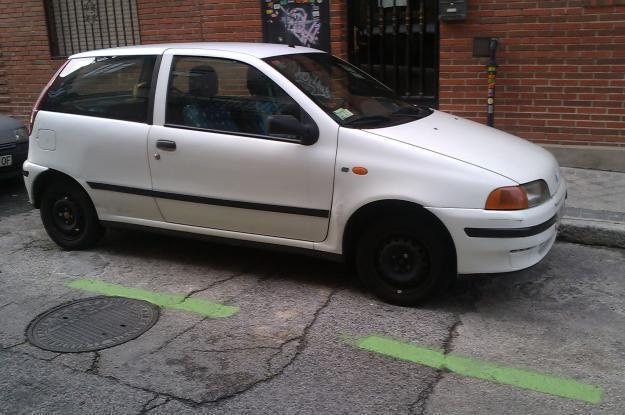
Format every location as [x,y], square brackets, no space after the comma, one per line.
[69,216]
[405,260]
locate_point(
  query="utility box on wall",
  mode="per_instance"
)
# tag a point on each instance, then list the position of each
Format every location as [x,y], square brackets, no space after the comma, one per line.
[481,47]
[450,10]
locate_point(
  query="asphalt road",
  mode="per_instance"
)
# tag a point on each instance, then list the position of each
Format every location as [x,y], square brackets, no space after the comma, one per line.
[290,348]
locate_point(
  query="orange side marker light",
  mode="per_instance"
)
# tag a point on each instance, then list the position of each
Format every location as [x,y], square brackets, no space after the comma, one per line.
[361,171]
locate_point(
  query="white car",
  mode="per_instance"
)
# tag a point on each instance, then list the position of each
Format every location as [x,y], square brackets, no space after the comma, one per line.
[286,146]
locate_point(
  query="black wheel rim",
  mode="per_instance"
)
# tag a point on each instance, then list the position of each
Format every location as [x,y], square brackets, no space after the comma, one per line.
[403,262]
[67,216]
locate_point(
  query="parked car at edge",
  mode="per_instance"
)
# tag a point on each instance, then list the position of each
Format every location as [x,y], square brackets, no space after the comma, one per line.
[13,147]
[286,146]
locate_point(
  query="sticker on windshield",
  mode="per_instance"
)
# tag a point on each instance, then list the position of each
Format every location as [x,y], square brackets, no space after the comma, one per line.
[343,113]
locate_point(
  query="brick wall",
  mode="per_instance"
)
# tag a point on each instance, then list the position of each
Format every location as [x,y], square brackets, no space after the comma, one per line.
[4,84]
[168,21]
[561,75]
[26,64]
[218,20]
[338,28]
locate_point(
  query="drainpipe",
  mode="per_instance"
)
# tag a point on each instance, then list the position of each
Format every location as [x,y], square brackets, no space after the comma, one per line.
[491,70]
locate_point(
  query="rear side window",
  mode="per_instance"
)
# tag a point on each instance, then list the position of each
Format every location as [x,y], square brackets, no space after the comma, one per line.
[116,87]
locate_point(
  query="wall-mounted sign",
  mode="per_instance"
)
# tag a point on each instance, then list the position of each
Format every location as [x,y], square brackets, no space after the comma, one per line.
[297,22]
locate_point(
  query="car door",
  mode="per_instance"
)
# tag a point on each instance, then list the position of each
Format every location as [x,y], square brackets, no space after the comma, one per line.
[215,165]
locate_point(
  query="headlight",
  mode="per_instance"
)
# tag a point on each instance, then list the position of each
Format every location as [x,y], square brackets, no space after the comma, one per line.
[537,192]
[21,136]
[520,197]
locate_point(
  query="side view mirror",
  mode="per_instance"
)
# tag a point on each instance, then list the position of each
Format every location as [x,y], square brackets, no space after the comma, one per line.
[308,134]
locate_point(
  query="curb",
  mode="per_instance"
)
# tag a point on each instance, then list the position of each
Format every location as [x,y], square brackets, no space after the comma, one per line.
[592,232]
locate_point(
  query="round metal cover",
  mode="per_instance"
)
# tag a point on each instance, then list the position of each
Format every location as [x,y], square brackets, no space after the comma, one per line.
[92,324]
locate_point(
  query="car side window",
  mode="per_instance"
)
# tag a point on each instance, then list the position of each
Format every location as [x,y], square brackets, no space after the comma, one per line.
[224,95]
[116,87]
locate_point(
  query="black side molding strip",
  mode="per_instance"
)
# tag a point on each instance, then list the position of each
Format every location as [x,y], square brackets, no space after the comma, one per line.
[320,213]
[511,232]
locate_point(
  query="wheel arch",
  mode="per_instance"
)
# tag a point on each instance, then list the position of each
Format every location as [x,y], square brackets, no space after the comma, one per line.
[383,208]
[44,179]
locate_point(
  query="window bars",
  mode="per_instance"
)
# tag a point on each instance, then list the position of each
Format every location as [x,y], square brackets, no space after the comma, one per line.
[80,25]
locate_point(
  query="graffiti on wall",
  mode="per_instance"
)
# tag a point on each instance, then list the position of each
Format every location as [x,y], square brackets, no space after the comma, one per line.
[298,22]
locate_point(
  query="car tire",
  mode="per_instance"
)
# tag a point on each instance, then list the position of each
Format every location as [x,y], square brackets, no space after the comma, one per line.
[69,217]
[405,260]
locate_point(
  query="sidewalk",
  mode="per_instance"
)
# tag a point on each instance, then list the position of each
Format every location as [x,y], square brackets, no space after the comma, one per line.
[595,208]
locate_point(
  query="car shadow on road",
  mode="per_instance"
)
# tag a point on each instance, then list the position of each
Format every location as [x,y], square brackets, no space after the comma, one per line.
[275,264]
[197,251]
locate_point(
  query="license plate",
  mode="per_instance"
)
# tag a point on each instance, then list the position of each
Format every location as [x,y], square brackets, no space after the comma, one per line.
[6,161]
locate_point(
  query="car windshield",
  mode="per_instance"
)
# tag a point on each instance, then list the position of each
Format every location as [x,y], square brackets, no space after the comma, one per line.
[350,96]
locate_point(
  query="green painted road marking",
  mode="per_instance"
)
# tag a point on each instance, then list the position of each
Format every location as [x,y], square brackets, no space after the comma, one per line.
[178,302]
[525,379]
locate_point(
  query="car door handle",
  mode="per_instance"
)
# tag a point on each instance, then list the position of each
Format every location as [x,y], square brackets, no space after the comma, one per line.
[167,145]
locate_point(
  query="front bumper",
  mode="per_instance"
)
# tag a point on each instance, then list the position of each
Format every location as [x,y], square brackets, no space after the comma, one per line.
[502,241]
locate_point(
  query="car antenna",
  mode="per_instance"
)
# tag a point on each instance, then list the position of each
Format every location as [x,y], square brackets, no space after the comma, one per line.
[288,32]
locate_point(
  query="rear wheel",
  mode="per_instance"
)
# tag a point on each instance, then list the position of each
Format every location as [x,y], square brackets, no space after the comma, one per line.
[69,216]
[405,260]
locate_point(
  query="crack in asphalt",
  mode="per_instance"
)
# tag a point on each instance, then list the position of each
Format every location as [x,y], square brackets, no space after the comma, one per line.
[95,363]
[214,284]
[146,406]
[419,407]
[6,305]
[271,375]
[165,402]
[178,335]
[15,345]
[280,351]
[107,377]
[193,292]
[301,346]
[235,349]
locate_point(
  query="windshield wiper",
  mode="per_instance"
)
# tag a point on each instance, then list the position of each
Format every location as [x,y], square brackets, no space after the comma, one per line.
[413,112]
[368,119]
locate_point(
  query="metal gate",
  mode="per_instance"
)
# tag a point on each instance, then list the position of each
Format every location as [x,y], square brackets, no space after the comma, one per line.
[396,41]
[80,25]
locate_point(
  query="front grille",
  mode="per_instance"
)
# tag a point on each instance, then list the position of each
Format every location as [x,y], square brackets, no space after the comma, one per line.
[7,146]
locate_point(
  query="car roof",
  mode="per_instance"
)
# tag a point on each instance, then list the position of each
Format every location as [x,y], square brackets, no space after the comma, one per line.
[8,126]
[259,50]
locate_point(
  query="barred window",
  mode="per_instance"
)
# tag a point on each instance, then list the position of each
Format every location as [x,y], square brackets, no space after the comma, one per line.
[80,25]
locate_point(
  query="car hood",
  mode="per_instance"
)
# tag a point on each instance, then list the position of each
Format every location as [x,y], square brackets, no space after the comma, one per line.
[8,126]
[477,144]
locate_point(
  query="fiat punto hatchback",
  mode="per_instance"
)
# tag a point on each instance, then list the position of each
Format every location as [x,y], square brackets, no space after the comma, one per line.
[286,146]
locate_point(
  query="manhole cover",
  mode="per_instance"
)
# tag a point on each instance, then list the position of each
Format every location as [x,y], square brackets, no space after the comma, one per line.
[92,324]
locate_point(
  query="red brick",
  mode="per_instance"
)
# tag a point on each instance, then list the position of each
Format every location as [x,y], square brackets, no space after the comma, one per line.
[561,77]
[565,59]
